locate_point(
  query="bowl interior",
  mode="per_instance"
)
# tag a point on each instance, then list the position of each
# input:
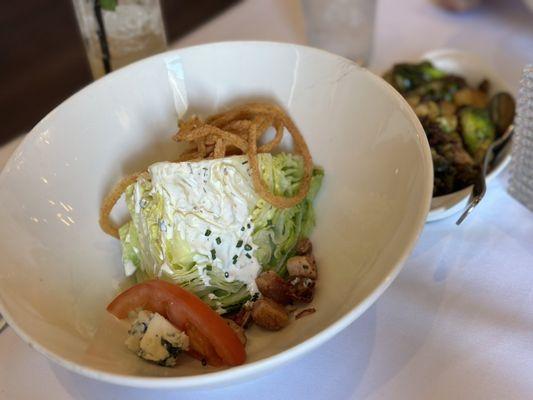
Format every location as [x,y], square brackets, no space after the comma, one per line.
[59,270]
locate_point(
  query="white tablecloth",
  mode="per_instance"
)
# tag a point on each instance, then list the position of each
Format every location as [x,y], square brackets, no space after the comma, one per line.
[458,321]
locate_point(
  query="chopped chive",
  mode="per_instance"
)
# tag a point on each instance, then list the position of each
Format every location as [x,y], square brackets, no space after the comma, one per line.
[218,240]
[244,162]
[242,229]
[209,267]
[248,255]
[234,259]
[247,247]
[248,226]
[207,232]
[213,254]
[239,243]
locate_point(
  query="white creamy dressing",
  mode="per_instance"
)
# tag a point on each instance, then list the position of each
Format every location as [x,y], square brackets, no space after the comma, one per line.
[137,196]
[211,201]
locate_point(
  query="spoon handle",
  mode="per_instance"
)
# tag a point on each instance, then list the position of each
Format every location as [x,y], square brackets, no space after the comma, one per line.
[480,185]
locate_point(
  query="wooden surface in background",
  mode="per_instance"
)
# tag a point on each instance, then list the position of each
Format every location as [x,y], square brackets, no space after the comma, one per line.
[42,59]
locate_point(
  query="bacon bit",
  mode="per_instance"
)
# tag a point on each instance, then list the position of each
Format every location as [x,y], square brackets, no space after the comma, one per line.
[303,289]
[304,266]
[243,318]
[239,330]
[270,315]
[304,247]
[304,313]
[271,285]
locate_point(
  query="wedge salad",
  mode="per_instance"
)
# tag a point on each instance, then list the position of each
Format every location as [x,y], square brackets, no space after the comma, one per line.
[218,239]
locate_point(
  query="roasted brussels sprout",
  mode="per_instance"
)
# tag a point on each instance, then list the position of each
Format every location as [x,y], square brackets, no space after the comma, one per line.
[502,109]
[470,97]
[443,89]
[405,77]
[477,131]
[460,121]
[484,86]
[448,123]
[428,109]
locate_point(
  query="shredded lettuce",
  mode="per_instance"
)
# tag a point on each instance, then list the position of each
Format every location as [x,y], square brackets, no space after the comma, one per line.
[277,230]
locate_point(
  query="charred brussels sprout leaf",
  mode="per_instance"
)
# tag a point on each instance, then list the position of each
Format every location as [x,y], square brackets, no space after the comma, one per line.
[477,130]
[502,110]
[405,77]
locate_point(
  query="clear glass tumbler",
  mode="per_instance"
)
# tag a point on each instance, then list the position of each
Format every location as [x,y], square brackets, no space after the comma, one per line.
[344,27]
[119,32]
[521,183]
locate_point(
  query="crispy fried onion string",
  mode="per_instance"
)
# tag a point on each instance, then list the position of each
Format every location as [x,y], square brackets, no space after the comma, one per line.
[234,132]
[109,202]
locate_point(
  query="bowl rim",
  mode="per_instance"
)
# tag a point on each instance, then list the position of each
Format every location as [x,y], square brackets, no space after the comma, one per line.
[247,370]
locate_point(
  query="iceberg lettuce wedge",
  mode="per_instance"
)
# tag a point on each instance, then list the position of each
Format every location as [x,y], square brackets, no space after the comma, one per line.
[201,225]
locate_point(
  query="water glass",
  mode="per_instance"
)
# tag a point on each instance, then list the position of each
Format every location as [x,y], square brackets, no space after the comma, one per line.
[521,184]
[119,32]
[344,27]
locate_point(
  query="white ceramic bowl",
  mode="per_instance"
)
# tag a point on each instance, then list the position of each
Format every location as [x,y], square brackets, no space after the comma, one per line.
[58,270]
[474,71]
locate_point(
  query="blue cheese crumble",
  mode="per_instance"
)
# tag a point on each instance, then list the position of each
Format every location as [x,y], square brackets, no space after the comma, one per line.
[155,339]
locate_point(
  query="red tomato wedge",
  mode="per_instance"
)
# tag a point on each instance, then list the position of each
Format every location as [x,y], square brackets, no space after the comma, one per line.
[212,338]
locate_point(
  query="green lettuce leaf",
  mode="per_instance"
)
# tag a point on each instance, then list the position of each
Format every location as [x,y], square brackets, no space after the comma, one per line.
[276,230]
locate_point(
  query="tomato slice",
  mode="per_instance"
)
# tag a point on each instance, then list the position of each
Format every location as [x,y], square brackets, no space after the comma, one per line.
[201,348]
[187,312]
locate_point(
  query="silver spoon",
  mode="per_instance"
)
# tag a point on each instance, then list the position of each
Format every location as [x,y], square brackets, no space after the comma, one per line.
[480,186]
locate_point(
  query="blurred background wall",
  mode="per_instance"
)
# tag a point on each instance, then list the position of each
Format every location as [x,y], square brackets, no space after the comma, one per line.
[42,58]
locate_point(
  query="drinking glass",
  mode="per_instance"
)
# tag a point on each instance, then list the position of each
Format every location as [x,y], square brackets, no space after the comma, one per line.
[521,183]
[118,32]
[344,27]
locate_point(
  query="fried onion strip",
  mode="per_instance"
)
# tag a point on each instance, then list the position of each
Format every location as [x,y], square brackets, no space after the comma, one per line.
[269,146]
[220,149]
[109,202]
[233,132]
[259,184]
